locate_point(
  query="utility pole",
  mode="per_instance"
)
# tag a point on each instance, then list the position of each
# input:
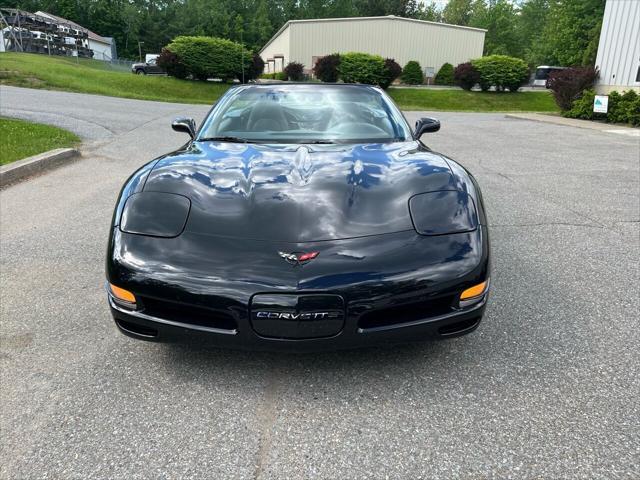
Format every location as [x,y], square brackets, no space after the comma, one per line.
[242,55]
[140,50]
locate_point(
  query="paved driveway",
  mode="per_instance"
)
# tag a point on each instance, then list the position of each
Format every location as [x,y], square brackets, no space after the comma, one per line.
[548,387]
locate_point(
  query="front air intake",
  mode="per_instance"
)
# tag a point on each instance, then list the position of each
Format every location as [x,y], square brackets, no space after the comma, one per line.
[406,313]
[188,314]
[137,330]
[459,328]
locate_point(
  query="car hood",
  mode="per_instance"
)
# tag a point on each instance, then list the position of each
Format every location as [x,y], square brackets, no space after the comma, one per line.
[297,193]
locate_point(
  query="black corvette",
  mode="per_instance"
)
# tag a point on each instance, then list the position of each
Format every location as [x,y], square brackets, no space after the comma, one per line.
[300,216]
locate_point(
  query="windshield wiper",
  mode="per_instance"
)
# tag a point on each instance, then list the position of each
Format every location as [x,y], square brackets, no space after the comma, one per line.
[226,139]
[319,142]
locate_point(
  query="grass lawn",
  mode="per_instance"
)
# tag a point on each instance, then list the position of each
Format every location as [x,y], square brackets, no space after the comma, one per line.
[462,101]
[22,139]
[94,76]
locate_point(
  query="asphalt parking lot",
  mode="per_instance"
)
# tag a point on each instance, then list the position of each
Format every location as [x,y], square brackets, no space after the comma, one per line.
[548,387]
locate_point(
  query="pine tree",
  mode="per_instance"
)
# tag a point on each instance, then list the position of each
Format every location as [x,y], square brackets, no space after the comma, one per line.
[261,25]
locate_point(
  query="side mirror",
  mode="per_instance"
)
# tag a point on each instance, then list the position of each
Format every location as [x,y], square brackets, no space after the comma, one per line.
[184,124]
[426,125]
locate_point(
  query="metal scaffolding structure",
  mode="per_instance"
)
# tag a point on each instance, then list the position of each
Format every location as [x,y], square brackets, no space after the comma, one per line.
[27,32]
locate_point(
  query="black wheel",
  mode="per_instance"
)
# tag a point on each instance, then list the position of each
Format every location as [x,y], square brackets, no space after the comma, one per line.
[140,72]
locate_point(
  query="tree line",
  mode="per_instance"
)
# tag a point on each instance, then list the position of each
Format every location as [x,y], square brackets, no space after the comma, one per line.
[559,32]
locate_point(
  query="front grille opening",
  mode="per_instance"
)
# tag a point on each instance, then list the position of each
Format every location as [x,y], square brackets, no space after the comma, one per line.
[458,327]
[137,329]
[409,312]
[189,314]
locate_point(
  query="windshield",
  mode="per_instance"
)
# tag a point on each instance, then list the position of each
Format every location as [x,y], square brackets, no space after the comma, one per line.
[306,114]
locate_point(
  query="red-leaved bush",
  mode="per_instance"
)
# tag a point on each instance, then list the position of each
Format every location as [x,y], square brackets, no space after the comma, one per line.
[466,75]
[392,70]
[171,63]
[255,68]
[294,71]
[568,85]
[326,68]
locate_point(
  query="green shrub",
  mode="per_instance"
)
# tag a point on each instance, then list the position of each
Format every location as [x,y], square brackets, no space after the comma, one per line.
[617,112]
[274,76]
[210,57]
[582,107]
[326,68]
[633,110]
[623,108]
[501,72]
[362,68]
[412,73]
[444,75]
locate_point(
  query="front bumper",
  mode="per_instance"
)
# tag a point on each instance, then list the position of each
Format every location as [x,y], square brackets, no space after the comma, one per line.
[146,327]
[389,289]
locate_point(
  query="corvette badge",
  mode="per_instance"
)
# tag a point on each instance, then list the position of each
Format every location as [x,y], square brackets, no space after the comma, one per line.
[298,258]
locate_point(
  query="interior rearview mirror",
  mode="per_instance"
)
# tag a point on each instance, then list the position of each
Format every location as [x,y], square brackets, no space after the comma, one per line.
[426,125]
[184,124]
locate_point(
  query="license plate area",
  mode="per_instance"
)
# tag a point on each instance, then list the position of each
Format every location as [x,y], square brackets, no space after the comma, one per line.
[297,317]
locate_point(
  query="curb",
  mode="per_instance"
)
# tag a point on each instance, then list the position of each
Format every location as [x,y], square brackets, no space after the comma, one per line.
[577,123]
[16,171]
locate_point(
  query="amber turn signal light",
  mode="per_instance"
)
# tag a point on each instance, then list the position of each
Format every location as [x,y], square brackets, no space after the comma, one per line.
[122,294]
[474,291]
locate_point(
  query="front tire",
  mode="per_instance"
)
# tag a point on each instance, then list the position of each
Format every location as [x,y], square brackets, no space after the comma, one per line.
[140,72]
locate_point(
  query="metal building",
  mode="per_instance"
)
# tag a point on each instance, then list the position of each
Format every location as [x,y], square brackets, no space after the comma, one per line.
[41,32]
[101,46]
[431,44]
[618,56]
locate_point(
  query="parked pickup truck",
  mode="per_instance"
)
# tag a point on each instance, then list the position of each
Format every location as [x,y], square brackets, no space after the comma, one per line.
[147,68]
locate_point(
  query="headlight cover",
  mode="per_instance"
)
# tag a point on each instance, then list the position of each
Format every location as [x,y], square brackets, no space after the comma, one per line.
[443,212]
[155,214]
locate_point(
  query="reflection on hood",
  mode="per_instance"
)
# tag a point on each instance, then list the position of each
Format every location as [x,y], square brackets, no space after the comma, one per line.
[298,193]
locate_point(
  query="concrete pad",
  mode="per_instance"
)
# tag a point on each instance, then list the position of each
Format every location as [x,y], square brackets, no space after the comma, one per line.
[547,387]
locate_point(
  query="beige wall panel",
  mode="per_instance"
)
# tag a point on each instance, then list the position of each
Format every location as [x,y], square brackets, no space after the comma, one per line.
[279,46]
[430,44]
[619,48]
